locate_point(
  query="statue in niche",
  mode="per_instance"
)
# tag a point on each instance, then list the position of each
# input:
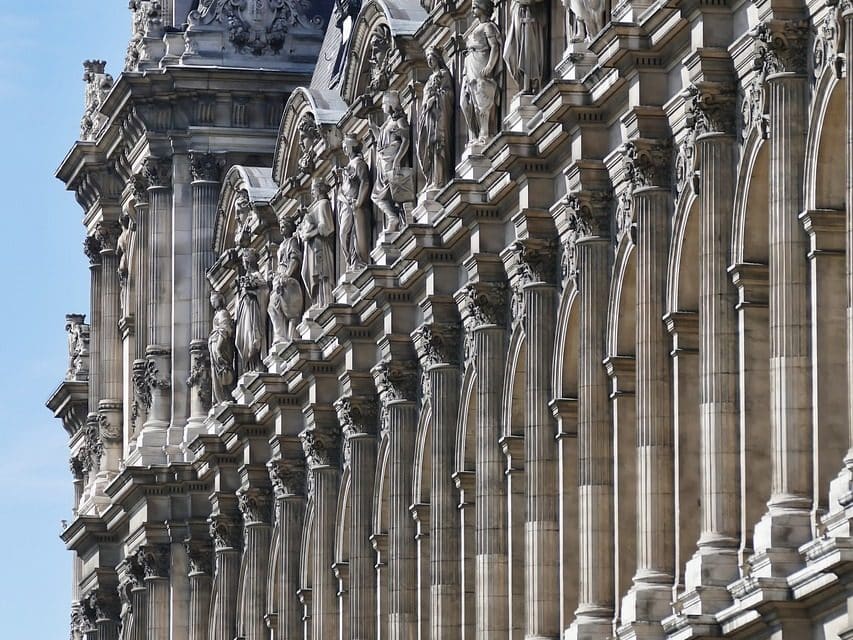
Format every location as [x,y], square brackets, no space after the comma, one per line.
[317,232]
[287,302]
[251,336]
[354,228]
[481,74]
[245,218]
[524,52]
[123,252]
[584,19]
[221,346]
[394,182]
[380,60]
[435,124]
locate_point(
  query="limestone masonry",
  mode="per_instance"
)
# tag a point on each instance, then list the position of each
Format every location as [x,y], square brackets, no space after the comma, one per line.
[465,319]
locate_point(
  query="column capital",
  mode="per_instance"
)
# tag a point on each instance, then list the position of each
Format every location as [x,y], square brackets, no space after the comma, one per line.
[647,162]
[200,556]
[438,343]
[357,415]
[100,604]
[396,380]
[154,560]
[93,447]
[711,108]
[107,233]
[781,46]
[287,477]
[589,213]
[536,260]
[158,172]
[130,576]
[205,167]
[92,249]
[484,303]
[320,447]
[225,532]
[255,505]
[139,188]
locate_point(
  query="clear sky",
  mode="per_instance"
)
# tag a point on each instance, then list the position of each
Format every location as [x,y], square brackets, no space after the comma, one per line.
[46,276]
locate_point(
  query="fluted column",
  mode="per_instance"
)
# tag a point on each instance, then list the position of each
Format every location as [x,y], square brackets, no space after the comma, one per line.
[225,532]
[536,278]
[439,350]
[205,171]
[787,525]
[396,381]
[101,610]
[358,418]
[288,481]
[321,446]
[92,249]
[142,292]
[255,507]
[200,560]
[158,173]
[647,166]
[133,596]
[154,560]
[589,215]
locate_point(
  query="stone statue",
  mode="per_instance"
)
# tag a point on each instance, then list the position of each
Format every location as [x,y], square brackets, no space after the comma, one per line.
[435,124]
[78,347]
[524,52]
[245,217]
[287,302]
[220,344]
[317,232]
[585,19]
[354,229]
[394,183]
[123,252]
[481,74]
[251,336]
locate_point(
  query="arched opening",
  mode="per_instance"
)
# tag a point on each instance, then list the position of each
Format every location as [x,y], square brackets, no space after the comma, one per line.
[421,485]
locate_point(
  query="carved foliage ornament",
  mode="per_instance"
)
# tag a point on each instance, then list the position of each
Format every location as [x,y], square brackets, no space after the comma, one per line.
[199,378]
[108,429]
[78,347]
[396,380]
[781,46]
[158,172]
[711,108]
[589,213]
[100,604]
[200,556]
[438,343]
[647,162]
[107,234]
[92,249]
[486,303]
[287,477]
[204,167]
[155,379]
[537,260]
[224,532]
[320,447]
[154,560]
[829,42]
[255,505]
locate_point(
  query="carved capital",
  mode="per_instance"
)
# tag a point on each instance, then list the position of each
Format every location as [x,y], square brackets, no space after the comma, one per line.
[154,560]
[200,556]
[537,260]
[158,172]
[357,415]
[712,108]
[781,46]
[101,604]
[139,188]
[205,167]
[92,249]
[486,303]
[589,213]
[130,576]
[647,162]
[396,380]
[438,343]
[75,464]
[287,477]
[225,532]
[255,505]
[320,447]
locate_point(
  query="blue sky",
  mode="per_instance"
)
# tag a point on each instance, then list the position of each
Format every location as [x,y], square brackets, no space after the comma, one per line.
[41,96]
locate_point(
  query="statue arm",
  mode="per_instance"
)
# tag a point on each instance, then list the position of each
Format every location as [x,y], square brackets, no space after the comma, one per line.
[363,184]
[326,222]
[494,50]
[403,132]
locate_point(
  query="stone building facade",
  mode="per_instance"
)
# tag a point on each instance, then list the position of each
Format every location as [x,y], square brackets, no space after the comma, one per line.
[461,320]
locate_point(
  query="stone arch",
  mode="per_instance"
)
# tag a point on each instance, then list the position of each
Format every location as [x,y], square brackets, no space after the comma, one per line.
[565,371]
[300,105]
[621,325]
[257,182]
[374,19]
[466,453]
[381,492]
[825,175]
[422,471]
[751,207]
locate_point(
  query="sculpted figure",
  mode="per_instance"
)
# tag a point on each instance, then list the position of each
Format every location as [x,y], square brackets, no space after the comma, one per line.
[220,345]
[585,19]
[287,301]
[251,319]
[354,212]
[245,214]
[481,73]
[317,232]
[394,182]
[524,52]
[123,253]
[435,125]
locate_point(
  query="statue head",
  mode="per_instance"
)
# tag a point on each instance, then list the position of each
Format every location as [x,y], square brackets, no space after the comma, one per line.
[391,102]
[319,189]
[243,203]
[249,258]
[217,300]
[483,8]
[351,146]
[287,225]
[434,58]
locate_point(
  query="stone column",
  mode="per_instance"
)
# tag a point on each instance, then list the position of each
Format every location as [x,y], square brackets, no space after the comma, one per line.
[536,278]
[396,381]
[152,440]
[142,290]
[154,560]
[288,481]
[358,417]
[132,595]
[787,523]
[225,532]
[101,609]
[205,170]
[321,445]
[255,507]
[715,563]
[439,349]
[647,165]
[591,220]
[200,559]
[92,249]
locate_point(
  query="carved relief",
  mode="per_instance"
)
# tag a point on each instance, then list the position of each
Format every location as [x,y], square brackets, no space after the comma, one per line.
[107,429]
[396,380]
[98,85]
[157,172]
[141,395]
[395,181]
[569,259]
[107,233]
[829,43]
[200,556]
[287,477]
[309,133]
[380,60]
[123,244]
[78,347]
[711,108]
[100,604]
[357,416]
[537,260]
[438,343]
[481,74]
[147,22]
[435,123]
[200,378]
[156,380]
[154,560]
[487,303]
[255,505]
[589,213]
[320,447]
[647,162]
[92,249]
[782,46]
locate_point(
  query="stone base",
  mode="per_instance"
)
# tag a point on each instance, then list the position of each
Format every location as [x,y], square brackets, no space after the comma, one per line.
[776,540]
[242,393]
[521,113]
[386,252]
[474,164]
[175,444]
[346,292]
[841,491]
[711,567]
[428,210]
[308,329]
[150,445]
[577,62]
[641,631]
[704,601]
[195,427]
[646,603]
[275,361]
[589,629]
[775,563]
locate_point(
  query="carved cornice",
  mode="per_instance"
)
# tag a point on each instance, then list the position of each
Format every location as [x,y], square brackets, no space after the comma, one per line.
[154,560]
[781,46]
[255,505]
[287,477]
[158,172]
[225,532]
[486,303]
[438,343]
[205,167]
[647,162]
[320,447]
[200,556]
[589,213]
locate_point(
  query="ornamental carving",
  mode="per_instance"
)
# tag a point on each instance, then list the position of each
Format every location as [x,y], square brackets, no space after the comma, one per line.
[204,167]
[309,133]
[75,464]
[380,60]
[711,108]
[98,86]
[141,394]
[754,108]
[647,162]
[486,303]
[624,215]
[357,415]
[287,477]
[537,260]
[320,447]
[255,505]
[130,576]
[225,532]
[199,378]
[101,605]
[200,556]
[589,213]
[147,22]
[158,172]
[108,429]
[438,343]
[107,233]
[92,249]
[93,448]
[782,46]
[569,259]
[154,560]
[78,347]
[685,163]
[154,378]
[829,40]
[139,188]
[396,380]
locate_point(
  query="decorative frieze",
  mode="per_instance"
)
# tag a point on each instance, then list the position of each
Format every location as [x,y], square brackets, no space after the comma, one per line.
[287,477]
[647,162]
[255,505]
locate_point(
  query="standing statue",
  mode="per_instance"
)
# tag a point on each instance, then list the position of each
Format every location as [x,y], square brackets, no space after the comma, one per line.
[394,182]
[287,302]
[585,19]
[245,217]
[220,345]
[317,231]
[524,51]
[481,74]
[354,179]
[123,252]
[251,320]
[435,125]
